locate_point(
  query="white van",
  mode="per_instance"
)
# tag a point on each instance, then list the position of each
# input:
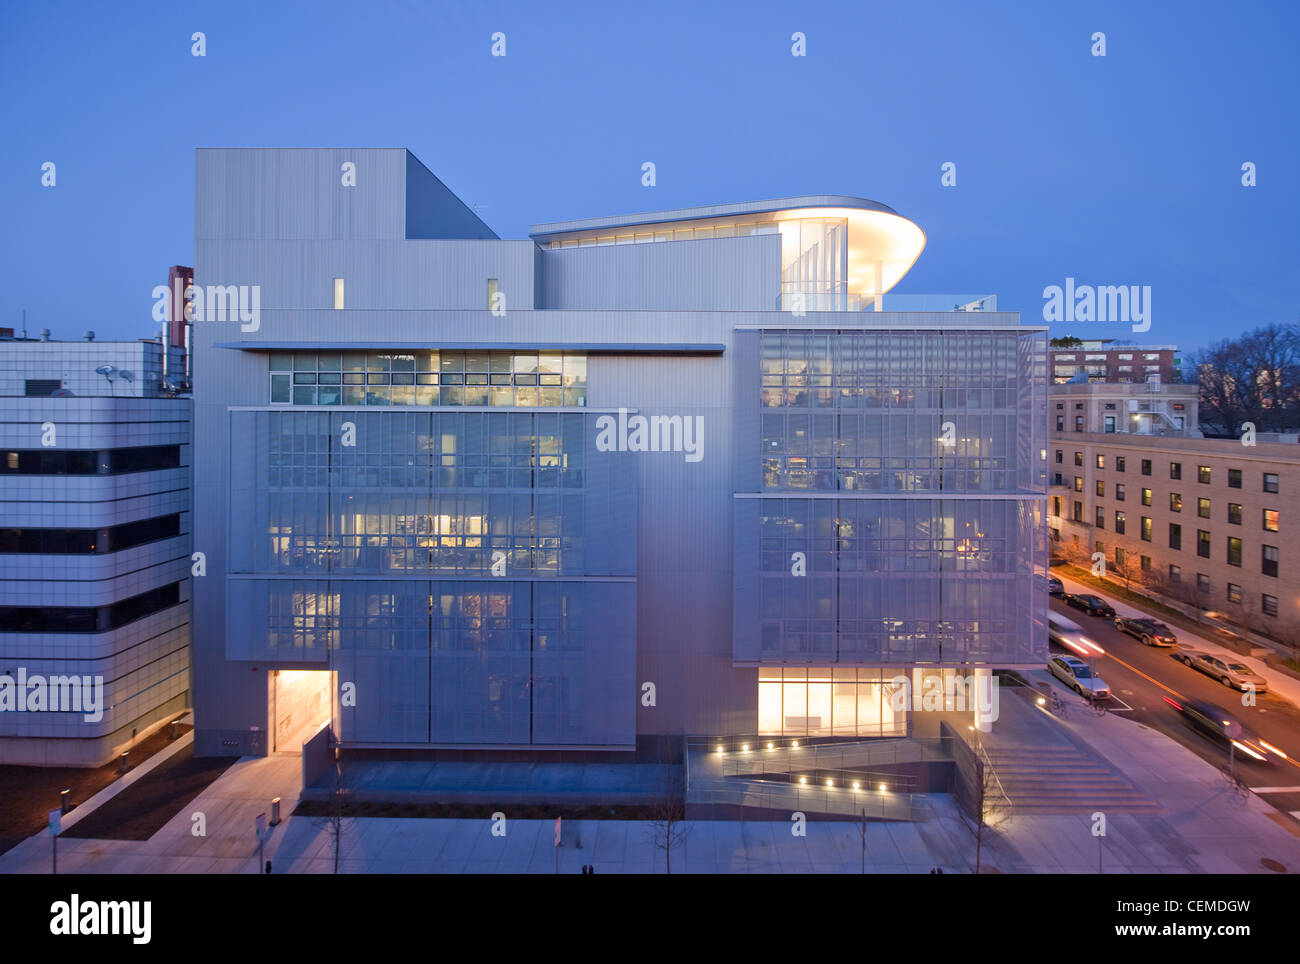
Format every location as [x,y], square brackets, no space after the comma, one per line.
[1066,632]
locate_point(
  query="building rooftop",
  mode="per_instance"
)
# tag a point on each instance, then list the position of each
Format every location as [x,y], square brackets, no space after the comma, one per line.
[873,243]
[548,230]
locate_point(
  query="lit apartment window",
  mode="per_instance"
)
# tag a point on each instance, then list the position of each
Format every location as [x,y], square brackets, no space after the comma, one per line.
[1146,496]
[1146,529]
[1202,543]
[1119,523]
[1202,583]
[1101,517]
[1175,536]
[1234,551]
[1175,574]
[1203,474]
[1270,482]
[1269,604]
[1270,520]
[1101,488]
[1175,470]
[1078,458]
[1234,593]
[1078,483]
[1119,463]
[338,294]
[1234,478]
[1268,560]
[1234,513]
[1119,493]
[1146,466]
[1175,502]
[1101,461]
[1203,508]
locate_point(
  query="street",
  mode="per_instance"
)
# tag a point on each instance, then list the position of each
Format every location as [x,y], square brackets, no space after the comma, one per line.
[1142,677]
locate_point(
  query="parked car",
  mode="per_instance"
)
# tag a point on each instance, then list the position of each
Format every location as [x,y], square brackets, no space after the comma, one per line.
[1090,604]
[1150,631]
[1219,725]
[1055,587]
[1074,673]
[1229,672]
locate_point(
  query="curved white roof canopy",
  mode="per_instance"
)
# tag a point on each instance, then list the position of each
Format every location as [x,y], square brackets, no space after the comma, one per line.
[882,244]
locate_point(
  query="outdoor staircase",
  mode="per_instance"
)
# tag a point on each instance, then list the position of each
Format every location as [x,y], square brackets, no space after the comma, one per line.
[1063,779]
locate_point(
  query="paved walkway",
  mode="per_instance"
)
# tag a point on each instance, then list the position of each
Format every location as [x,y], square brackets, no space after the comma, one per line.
[1203,829]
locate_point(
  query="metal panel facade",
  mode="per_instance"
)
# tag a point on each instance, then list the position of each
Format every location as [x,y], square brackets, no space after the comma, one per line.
[649,571]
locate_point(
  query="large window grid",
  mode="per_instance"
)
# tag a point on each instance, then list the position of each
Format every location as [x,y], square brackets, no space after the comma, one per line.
[904,386]
[429,378]
[907,580]
[423,492]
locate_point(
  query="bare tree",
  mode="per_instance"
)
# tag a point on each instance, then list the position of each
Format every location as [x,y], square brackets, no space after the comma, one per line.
[1253,378]
[334,823]
[668,827]
[988,807]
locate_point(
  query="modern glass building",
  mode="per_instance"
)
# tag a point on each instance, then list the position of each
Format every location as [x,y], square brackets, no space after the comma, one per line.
[628,479]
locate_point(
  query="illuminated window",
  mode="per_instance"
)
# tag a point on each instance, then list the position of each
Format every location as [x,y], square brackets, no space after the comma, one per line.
[338,294]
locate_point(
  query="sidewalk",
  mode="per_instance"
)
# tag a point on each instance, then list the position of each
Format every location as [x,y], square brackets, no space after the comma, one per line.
[1287,687]
[1203,828]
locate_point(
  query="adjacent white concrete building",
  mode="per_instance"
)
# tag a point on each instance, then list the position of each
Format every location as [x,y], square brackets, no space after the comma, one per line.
[94,549]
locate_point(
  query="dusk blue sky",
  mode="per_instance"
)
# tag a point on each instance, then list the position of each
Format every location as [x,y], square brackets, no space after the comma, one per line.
[1117,170]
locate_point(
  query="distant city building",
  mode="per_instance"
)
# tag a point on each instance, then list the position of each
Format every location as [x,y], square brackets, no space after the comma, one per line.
[94,548]
[1203,520]
[1128,409]
[628,479]
[1102,361]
